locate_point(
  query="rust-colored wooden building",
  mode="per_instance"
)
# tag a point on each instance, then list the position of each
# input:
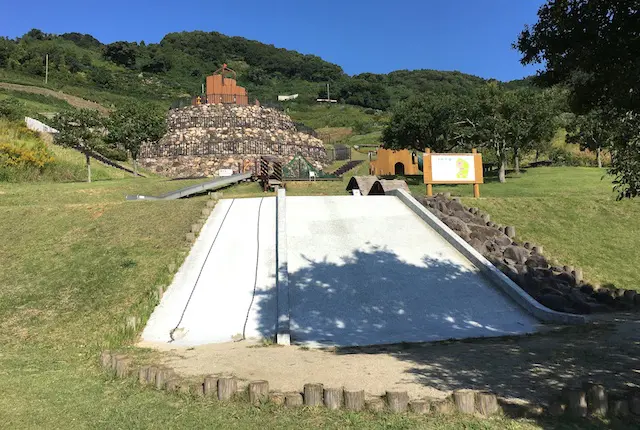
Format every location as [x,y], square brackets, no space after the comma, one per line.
[221,88]
[390,162]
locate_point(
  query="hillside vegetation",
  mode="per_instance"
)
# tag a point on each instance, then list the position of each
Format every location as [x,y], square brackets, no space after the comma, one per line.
[176,67]
[26,157]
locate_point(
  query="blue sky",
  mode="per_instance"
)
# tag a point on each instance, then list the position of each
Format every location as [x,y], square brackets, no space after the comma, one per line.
[472,36]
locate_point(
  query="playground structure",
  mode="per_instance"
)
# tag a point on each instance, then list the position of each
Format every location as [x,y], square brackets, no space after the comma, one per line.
[372,186]
[391,162]
[436,168]
[222,89]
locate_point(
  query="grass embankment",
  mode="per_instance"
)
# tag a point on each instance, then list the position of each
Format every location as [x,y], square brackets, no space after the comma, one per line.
[65,164]
[573,213]
[76,260]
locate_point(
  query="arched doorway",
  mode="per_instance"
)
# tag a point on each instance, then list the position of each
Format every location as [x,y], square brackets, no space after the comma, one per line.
[399,169]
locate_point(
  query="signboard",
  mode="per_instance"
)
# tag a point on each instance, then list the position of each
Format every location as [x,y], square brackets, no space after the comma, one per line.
[453,168]
[225,172]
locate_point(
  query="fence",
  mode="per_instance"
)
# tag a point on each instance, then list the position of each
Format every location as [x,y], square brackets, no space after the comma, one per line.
[305,129]
[186,120]
[231,148]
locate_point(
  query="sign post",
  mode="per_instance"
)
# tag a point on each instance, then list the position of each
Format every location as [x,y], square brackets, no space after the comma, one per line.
[453,169]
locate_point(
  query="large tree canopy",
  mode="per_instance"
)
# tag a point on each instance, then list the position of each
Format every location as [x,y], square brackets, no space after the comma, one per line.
[591,45]
[426,122]
[499,120]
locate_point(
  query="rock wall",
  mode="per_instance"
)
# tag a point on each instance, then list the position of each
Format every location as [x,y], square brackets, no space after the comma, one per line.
[203,139]
[561,288]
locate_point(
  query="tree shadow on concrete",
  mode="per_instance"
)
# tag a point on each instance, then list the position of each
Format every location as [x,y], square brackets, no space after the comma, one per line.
[529,367]
[374,297]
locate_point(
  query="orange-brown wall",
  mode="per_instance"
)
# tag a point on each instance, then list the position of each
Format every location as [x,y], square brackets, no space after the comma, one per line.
[225,91]
[387,159]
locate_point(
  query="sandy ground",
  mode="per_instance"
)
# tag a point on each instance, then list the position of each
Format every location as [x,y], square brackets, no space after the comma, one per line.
[528,368]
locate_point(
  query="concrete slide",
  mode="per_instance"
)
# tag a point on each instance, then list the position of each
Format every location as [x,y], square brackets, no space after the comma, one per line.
[366,271]
[210,185]
[225,290]
[338,271]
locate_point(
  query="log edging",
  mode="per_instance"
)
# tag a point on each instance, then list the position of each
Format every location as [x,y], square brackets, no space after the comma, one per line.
[586,400]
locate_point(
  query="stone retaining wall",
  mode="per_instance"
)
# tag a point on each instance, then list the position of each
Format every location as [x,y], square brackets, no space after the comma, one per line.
[560,288]
[221,115]
[203,139]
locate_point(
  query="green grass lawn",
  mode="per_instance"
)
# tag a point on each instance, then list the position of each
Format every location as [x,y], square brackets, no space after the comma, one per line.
[77,259]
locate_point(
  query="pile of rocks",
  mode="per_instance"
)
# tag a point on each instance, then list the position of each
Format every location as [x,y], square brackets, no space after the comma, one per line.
[203,139]
[222,115]
[558,288]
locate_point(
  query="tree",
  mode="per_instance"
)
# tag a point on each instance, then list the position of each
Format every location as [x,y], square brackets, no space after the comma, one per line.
[80,129]
[592,46]
[360,92]
[436,122]
[489,118]
[625,158]
[121,53]
[132,125]
[531,120]
[7,48]
[591,132]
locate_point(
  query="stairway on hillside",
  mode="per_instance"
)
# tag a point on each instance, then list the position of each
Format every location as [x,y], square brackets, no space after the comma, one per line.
[346,167]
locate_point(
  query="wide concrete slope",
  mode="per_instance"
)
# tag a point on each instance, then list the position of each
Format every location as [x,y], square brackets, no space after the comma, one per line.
[367,270]
[212,295]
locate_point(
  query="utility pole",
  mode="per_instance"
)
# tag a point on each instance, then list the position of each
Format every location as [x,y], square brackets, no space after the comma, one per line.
[46,70]
[328,95]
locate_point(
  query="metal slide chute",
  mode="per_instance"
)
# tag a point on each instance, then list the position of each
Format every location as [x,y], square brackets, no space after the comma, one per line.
[211,185]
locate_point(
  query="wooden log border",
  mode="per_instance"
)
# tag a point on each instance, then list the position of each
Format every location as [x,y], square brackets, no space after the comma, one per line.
[586,400]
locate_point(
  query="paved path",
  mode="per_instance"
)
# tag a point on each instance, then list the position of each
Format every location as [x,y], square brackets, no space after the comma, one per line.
[212,292]
[367,270]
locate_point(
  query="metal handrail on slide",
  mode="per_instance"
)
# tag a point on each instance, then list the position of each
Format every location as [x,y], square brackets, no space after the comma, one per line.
[214,184]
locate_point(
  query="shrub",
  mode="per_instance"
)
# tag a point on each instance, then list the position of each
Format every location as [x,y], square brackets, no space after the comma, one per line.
[36,155]
[362,127]
[12,109]
[562,156]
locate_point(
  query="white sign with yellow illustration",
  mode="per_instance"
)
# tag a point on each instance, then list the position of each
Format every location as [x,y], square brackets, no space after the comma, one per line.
[452,168]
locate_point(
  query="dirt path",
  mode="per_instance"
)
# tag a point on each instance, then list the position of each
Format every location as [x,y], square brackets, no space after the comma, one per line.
[74,101]
[529,368]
